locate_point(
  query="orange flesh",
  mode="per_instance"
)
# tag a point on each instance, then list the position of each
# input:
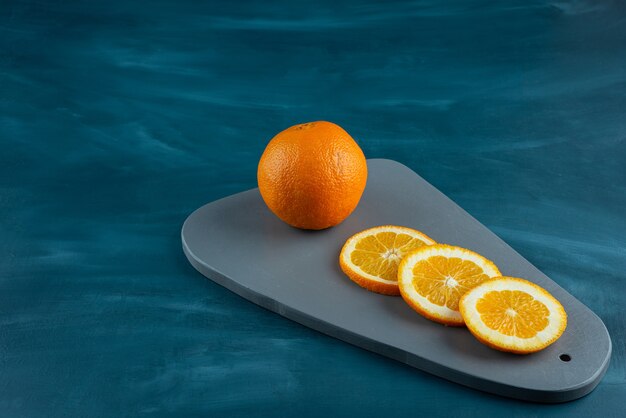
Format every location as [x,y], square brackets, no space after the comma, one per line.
[380,254]
[444,280]
[513,312]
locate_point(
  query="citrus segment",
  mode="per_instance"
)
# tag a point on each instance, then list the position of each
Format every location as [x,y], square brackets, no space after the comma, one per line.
[433,279]
[514,315]
[371,257]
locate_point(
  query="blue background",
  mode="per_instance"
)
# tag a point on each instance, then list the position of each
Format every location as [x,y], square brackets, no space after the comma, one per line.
[117,119]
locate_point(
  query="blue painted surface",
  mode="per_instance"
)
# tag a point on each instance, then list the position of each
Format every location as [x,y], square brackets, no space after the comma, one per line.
[117,120]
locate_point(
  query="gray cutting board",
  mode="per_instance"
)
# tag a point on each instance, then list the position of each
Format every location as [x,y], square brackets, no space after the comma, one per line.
[238,243]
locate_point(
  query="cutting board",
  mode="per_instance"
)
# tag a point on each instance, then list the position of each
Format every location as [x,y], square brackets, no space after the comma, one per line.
[238,243]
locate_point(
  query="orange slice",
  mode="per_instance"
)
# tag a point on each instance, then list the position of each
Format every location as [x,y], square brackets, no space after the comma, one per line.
[513,315]
[371,257]
[433,279]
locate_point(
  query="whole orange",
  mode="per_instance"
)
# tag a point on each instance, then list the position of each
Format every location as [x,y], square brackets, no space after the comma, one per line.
[312,175]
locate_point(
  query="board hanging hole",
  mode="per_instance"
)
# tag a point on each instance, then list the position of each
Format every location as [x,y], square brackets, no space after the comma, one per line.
[565,357]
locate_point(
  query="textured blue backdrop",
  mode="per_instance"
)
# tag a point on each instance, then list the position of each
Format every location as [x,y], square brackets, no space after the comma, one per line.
[118,119]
